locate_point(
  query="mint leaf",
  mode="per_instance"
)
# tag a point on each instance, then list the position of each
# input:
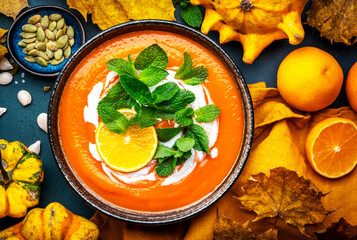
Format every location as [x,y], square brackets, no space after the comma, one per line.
[181,99]
[121,66]
[152,76]
[118,98]
[152,56]
[115,121]
[199,134]
[163,151]
[165,92]
[166,134]
[184,117]
[185,144]
[147,117]
[207,113]
[166,168]
[183,158]
[166,115]
[136,89]
[191,15]
[195,76]
[186,65]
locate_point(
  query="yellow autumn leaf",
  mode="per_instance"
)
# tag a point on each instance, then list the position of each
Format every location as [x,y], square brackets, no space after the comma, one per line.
[108,13]
[12,7]
[3,49]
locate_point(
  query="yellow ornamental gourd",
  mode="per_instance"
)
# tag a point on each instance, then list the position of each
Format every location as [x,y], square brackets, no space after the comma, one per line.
[254,23]
[20,179]
[55,222]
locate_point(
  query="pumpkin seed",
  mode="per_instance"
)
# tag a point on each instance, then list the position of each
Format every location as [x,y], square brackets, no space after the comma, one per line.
[58,54]
[60,23]
[38,25]
[41,34]
[46,41]
[25,51]
[52,26]
[65,46]
[55,33]
[42,62]
[70,32]
[41,46]
[30,59]
[33,53]
[65,27]
[22,44]
[59,33]
[45,22]
[71,42]
[30,47]
[29,28]
[34,19]
[62,41]
[67,52]
[52,46]
[49,34]
[29,40]
[47,88]
[42,55]
[49,53]
[27,35]
[55,17]
[56,62]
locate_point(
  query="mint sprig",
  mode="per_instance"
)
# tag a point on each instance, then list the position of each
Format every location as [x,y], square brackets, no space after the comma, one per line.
[199,134]
[190,75]
[122,66]
[166,134]
[191,14]
[165,92]
[207,113]
[115,121]
[184,117]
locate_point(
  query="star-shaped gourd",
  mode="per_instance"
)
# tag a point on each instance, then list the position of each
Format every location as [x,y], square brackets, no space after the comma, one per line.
[254,23]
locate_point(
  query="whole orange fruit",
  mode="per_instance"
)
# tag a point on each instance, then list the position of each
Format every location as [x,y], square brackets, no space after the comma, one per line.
[309,79]
[351,87]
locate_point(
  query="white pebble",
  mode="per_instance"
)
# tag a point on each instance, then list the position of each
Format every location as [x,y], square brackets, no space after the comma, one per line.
[42,121]
[35,147]
[5,64]
[24,97]
[16,82]
[2,110]
[23,75]
[23,81]
[5,78]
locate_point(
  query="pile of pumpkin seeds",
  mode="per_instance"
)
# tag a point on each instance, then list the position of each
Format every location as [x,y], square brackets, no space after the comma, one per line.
[47,39]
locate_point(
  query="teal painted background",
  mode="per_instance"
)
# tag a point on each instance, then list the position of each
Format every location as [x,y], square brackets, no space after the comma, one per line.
[19,123]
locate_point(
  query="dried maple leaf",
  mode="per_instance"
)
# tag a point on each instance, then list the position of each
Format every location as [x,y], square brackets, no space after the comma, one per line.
[3,49]
[284,194]
[12,7]
[227,229]
[254,23]
[340,230]
[107,13]
[335,19]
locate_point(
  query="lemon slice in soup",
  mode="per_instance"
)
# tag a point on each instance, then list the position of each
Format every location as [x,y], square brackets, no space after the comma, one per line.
[128,152]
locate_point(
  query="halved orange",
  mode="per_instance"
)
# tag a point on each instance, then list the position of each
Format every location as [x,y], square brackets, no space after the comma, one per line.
[128,152]
[331,147]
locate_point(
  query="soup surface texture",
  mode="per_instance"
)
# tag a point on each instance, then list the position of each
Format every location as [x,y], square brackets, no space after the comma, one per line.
[77,133]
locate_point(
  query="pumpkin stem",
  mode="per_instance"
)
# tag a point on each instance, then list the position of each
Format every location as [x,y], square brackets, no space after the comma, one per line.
[4,176]
[246,5]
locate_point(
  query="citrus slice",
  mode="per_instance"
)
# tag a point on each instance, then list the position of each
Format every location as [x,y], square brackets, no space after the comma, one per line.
[128,152]
[331,147]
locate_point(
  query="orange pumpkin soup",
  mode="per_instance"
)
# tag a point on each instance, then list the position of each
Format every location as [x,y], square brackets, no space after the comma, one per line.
[150,193]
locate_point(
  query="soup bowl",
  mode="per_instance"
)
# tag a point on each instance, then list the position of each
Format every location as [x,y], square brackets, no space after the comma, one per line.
[131,202]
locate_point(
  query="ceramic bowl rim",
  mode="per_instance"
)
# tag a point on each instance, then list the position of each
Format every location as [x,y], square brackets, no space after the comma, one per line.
[35,9]
[151,218]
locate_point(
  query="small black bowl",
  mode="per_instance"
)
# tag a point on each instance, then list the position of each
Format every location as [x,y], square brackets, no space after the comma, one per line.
[13,38]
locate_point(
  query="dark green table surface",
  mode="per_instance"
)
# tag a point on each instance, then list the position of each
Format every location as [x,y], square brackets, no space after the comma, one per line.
[19,123]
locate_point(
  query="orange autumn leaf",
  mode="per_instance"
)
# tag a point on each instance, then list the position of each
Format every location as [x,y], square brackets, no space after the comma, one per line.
[339,230]
[108,13]
[3,49]
[11,8]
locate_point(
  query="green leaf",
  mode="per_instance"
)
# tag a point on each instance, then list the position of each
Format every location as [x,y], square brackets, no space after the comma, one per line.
[118,98]
[121,66]
[207,113]
[115,121]
[192,15]
[152,76]
[152,56]
[184,117]
[163,151]
[183,158]
[165,115]
[195,76]
[199,134]
[147,117]
[186,65]
[181,99]
[166,134]
[185,144]
[136,89]
[165,92]
[166,168]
